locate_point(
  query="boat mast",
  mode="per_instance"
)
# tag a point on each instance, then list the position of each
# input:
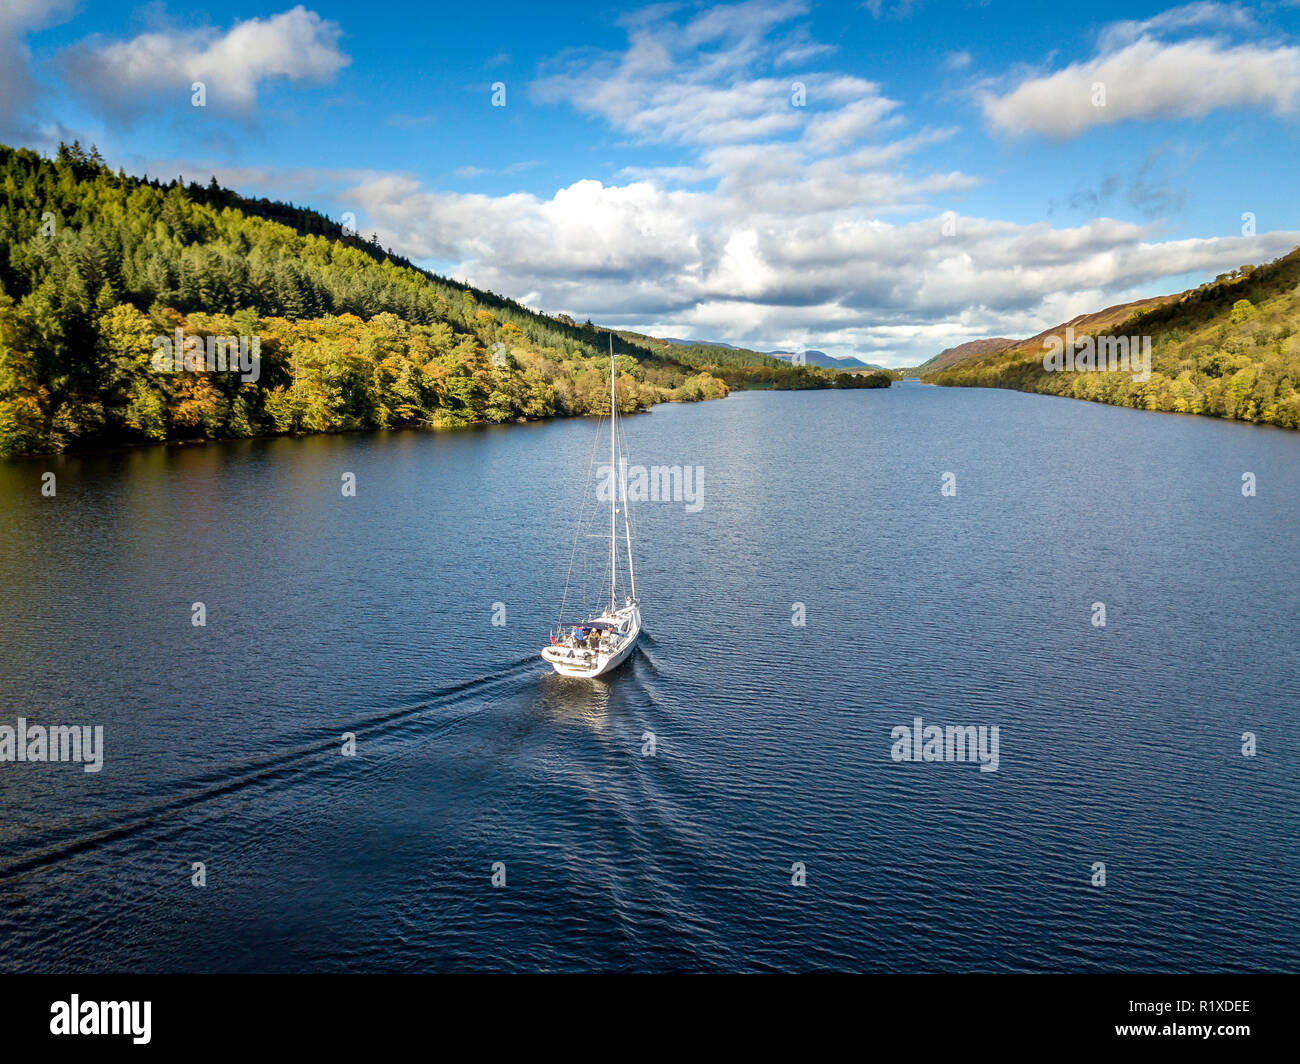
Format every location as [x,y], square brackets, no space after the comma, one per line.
[613,489]
[627,530]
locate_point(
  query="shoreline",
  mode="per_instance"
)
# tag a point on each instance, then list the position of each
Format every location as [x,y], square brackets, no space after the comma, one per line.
[118,448]
[1117,406]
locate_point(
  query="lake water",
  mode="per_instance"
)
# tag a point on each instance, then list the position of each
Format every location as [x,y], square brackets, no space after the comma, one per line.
[373,615]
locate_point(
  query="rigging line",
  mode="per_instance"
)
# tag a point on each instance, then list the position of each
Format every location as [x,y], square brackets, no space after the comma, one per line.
[627,506]
[582,520]
[613,473]
[573,553]
[631,510]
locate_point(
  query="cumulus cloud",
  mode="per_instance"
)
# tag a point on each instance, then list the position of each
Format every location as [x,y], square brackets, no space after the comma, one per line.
[641,255]
[693,83]
[1137,74]
[124,78]
[774,224]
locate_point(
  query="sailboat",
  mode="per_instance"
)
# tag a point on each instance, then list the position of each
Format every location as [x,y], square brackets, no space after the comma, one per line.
[602,642]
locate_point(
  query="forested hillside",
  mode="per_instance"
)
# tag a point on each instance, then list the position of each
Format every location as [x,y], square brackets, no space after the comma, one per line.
[1230,349]
[98,268]
[952,355]
[740,367]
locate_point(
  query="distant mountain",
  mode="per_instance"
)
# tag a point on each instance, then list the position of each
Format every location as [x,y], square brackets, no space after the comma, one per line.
[1230,349]
[698,343]
[821,358]
[699,352]
[811,357]
[1099,321]
[757,369]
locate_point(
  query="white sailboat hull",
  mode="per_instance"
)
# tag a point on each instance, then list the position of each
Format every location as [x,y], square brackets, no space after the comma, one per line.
[576,661]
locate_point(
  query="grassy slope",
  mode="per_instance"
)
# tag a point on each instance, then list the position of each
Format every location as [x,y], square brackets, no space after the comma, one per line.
[1230,348]
[952,355]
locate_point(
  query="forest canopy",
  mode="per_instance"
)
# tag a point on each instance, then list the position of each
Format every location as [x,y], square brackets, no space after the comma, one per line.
[1230,349]
[98,268]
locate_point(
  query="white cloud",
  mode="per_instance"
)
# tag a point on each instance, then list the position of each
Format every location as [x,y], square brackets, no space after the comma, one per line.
[695,83]
[849,124]
[758,222]
[125,77]
[1190,16]
[1138,76]
[771,224]
[776,273]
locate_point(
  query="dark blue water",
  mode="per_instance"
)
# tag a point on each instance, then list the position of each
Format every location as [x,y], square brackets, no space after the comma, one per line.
[373,615]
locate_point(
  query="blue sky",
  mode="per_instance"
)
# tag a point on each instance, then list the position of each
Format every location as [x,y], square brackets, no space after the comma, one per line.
[947,171]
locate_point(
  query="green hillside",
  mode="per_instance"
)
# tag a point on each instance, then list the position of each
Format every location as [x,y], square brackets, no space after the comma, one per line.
[1229,349]
[98,269]
[743,368]
[953,355]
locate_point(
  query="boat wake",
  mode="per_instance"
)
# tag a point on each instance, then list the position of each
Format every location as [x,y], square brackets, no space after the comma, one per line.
[50,848]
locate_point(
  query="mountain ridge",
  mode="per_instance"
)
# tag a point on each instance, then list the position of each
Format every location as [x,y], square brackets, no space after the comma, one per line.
[1228,348]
